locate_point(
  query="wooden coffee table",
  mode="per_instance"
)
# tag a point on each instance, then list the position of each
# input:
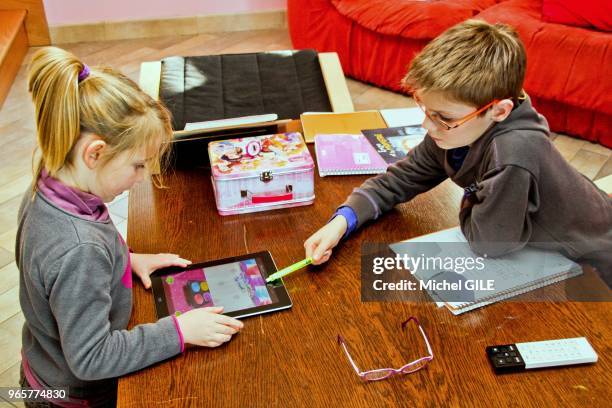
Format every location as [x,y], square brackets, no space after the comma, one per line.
[292,358]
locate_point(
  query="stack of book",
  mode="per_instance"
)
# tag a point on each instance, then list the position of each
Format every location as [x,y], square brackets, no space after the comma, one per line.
[362,142]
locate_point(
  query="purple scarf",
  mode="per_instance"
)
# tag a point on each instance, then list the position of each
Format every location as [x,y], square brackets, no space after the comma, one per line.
[83,205]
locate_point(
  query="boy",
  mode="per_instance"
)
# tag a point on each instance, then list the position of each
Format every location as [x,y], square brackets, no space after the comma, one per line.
[484,134]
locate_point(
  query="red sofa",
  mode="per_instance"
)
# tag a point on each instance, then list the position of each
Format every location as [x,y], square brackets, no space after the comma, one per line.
[568,68]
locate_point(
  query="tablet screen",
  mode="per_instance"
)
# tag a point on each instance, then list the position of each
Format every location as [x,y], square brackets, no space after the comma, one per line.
[235,286]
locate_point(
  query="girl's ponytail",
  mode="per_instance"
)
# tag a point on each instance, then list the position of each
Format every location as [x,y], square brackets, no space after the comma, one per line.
[54,84]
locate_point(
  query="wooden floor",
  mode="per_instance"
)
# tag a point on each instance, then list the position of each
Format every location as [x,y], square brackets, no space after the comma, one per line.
[17,140]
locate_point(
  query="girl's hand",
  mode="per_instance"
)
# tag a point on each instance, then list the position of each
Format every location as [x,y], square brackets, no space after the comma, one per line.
[319,245]
[144,265]
[207,326]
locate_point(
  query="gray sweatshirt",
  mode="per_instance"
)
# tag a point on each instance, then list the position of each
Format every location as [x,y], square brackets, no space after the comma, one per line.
[77,301]
[519,190]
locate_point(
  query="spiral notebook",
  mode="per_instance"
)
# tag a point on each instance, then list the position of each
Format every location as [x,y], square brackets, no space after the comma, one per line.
[513,274]
[344,154]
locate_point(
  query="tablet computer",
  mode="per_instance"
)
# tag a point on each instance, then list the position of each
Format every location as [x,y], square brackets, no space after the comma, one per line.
[238,284]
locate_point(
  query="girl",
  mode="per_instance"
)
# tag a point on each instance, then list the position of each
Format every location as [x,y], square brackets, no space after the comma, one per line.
[97,133]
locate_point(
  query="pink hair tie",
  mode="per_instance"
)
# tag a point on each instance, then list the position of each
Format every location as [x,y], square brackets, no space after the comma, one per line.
[84,72]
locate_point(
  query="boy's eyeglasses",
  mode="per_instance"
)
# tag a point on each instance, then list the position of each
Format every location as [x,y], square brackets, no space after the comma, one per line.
[435,117]
[382,373]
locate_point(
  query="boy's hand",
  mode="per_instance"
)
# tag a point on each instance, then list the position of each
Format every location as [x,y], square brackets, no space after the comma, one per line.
[207,326]
[320,244]
[144,265]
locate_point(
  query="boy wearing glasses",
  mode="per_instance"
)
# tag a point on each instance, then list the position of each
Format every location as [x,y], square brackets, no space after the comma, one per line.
[484,134]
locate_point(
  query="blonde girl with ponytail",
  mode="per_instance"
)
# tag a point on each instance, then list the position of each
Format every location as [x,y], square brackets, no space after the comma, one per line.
[98,134]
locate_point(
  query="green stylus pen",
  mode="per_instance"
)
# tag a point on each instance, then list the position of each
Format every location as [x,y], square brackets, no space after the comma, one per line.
[290,269]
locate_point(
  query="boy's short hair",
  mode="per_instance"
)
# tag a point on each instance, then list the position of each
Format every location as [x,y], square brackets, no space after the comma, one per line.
[473,62]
